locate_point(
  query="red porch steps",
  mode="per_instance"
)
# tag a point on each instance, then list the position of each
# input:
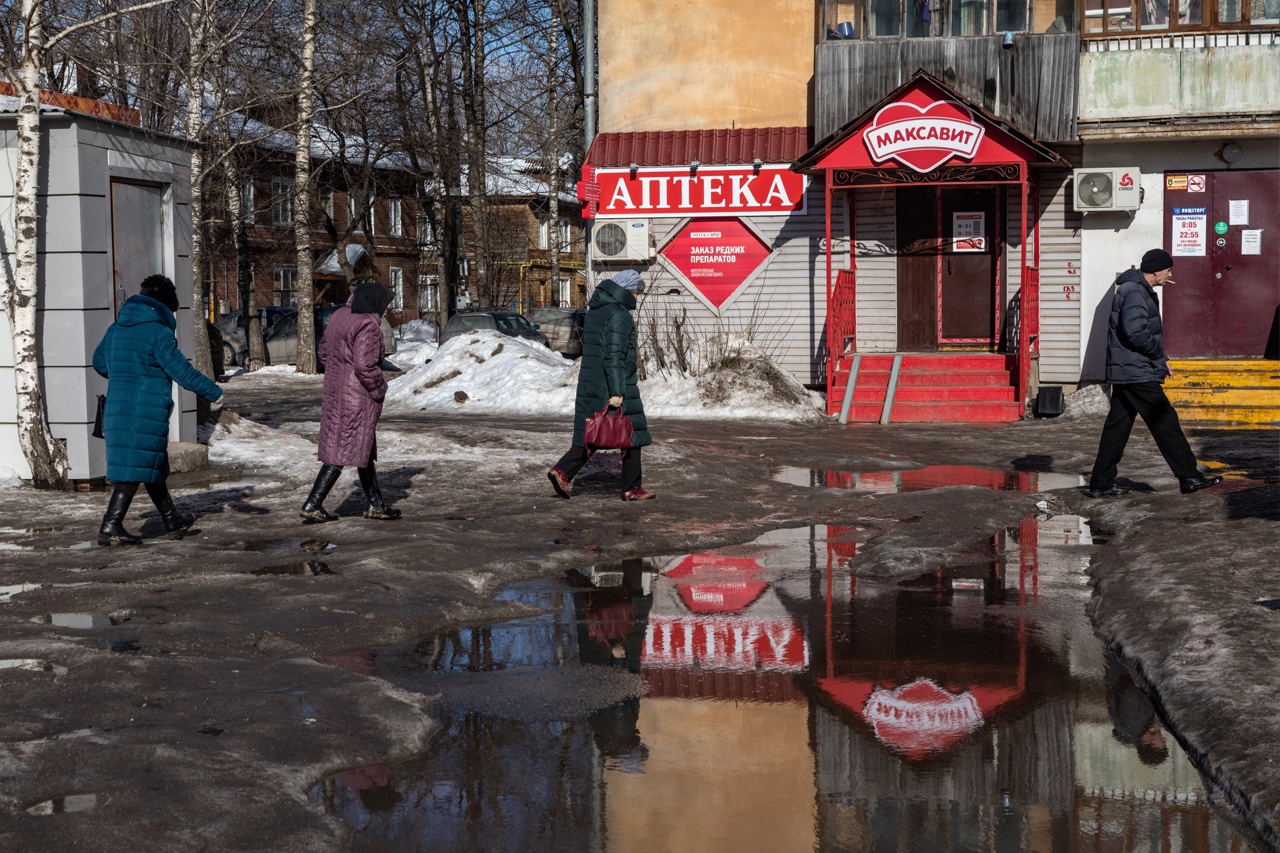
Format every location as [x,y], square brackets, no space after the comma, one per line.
[931,388]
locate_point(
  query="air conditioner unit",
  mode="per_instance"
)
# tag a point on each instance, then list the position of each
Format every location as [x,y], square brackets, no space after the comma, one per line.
[1115,188]
[622,240]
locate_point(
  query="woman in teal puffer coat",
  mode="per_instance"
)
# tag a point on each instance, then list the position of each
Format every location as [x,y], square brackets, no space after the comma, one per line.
[607,376]
[139,355]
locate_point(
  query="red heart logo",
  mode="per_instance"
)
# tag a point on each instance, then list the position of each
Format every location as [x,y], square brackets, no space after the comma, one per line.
[923,138]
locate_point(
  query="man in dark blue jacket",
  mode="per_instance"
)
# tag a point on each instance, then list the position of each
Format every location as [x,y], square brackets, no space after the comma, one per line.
[1136,368]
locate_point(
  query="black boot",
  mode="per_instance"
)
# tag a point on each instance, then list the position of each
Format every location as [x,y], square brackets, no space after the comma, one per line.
[174,521]
[112,531]
[312,511]
[377,509]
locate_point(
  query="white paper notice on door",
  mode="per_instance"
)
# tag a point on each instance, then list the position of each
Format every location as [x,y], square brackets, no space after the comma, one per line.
[1238,212]
[969,231]
[1251,241]
[1190,225]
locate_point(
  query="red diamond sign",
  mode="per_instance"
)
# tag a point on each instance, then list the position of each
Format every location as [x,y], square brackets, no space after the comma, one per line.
[716,257]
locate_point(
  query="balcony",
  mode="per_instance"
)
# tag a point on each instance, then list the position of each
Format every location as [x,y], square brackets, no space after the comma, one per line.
[1030,82]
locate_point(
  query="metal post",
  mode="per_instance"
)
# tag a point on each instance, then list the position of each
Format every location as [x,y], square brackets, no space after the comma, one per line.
[890,391]
[849,388]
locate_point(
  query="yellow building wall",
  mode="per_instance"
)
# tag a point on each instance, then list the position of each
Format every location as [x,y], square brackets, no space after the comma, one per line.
[703,64]
[718,777]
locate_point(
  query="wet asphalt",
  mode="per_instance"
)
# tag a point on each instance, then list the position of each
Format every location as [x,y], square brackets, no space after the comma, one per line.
[210,693]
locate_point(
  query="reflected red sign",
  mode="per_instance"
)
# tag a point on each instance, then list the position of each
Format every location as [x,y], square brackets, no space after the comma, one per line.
[716,256]
[739,644]
[712,583]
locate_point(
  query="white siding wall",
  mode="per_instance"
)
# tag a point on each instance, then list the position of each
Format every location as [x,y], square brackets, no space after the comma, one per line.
[875,237]
[1059,269]
[783,309]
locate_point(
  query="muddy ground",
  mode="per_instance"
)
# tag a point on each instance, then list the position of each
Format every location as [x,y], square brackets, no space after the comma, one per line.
[187,703]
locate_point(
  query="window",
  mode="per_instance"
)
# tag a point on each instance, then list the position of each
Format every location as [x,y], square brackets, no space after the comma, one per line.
[394,213]
[396,277]
[364,225]
[281,201]
[286,286]
[326,202]
[544,238]
[426,234]
[1113,17]
[874,19]
[246,199]
[564,235]
[562,293]
[428,293]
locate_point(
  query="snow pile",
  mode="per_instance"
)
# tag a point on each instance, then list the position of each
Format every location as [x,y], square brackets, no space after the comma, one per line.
[1088,401]
[486,372]
[9,478]
[241,443]
[415,344]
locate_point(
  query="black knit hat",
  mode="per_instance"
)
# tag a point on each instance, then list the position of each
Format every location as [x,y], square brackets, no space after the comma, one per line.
[160,289]
[1156,260]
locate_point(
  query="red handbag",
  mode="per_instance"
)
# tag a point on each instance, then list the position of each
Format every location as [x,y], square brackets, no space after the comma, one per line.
[606,430]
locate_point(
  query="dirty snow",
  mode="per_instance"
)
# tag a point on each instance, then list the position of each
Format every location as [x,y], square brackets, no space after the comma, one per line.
[490,373]
[9,478]
[415,344]
[1090,400]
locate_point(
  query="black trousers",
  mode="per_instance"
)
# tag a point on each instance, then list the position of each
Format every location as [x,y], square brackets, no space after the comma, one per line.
[571,463]
[1127,402]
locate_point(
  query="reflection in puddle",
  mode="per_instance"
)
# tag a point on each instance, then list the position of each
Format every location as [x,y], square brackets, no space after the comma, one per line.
[32,665]
[931,477]
[311,568]
[65,805]
[8,592]
[82,621]
[792,706]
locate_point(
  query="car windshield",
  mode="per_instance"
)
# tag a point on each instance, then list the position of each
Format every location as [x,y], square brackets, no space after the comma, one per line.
[513,323]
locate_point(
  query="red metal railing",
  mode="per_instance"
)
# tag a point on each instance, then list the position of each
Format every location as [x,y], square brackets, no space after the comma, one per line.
[1028,329]
[842,328]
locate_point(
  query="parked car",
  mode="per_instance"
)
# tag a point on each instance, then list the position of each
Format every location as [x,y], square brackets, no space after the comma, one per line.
[507,322]
[234,327]
[217,351]
[562,326]
[281,342]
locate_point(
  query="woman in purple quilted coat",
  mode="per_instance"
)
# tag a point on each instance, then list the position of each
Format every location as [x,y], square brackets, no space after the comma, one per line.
[351,352]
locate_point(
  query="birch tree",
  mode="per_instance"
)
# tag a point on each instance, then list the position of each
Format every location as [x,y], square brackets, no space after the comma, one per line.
[302,193]
[33,47]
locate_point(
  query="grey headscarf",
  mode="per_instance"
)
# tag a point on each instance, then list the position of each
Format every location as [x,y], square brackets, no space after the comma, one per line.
[630,280]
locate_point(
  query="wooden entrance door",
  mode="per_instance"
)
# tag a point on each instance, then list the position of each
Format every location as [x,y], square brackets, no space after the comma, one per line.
[969,264]
[1223,302]
[917,215]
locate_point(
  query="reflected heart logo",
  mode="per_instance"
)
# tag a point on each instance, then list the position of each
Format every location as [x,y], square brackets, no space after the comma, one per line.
[923,138]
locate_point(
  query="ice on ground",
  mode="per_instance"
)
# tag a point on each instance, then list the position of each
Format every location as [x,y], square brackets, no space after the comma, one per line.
[1090,400]
[486,372]
[9,478]
[242,443]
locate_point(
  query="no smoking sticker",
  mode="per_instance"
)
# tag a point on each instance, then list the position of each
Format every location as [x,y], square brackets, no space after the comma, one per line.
[1195,183]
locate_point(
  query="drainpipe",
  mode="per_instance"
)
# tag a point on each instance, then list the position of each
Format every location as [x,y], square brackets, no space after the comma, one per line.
[588,116]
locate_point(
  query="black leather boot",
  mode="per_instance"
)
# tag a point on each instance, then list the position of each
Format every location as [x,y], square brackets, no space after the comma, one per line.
[112,531]
[312,511]
[373,493]
[174,521]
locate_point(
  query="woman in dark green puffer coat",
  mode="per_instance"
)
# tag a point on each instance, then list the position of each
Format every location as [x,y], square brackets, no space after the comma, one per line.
[139,355]
[608,377]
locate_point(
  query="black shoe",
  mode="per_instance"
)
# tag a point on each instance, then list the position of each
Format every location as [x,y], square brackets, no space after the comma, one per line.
[312,510]
[174,521]
[373,494]
[1195,484]
[112,531]
[1113,491]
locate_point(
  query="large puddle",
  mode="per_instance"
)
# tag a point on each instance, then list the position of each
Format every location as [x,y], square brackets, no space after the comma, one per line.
[788,706]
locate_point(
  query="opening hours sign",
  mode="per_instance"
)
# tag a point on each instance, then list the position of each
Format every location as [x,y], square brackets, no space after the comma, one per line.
[716,257]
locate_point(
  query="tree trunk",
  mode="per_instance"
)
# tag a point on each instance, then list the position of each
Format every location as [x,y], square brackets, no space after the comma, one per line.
[471,23]
[307,361]
[46,456]
[553,183]
[244,268]
[196,74]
